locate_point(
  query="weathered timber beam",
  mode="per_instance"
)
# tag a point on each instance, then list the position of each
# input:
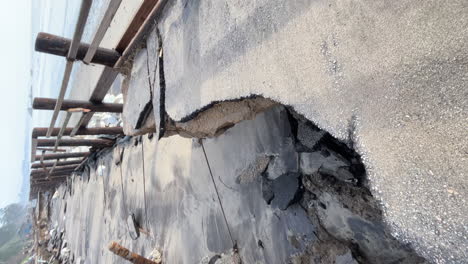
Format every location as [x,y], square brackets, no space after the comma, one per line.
[137,21]
[59,46]
[49,183]
[79,28]
[53,174]
[60,163]
[142,32]
[57,169]
[41,131]
[51,150]
[62,155]
[41,103]
[76,142]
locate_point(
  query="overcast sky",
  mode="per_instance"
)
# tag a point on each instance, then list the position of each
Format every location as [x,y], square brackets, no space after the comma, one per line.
[15,48]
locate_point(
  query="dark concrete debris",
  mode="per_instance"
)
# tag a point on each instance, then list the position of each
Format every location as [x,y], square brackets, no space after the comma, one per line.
[325,182]
[285,190]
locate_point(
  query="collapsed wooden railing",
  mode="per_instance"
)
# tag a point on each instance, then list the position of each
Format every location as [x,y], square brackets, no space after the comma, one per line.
[74,50]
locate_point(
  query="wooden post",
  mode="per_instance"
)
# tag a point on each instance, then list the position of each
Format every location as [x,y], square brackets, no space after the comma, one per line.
[59,46]
[119,250]
[62,156]
[60,163]
[41,131]
[76,142]
[51,149]
[43,174]
[41,103]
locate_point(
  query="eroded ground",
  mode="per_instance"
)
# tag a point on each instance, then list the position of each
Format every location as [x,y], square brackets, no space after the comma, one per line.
[274,189]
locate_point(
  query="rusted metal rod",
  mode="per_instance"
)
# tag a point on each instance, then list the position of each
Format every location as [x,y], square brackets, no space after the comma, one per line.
[119,250]
[41,103]
[62,155]
[59,46]
[60,163]
[41,131]
[76,142]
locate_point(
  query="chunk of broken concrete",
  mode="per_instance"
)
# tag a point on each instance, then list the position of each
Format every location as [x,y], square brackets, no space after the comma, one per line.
[309,135]
[285,189]
[137,115]
[326,163]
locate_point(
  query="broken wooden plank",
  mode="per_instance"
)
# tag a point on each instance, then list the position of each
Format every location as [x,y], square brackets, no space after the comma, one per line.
[41,103]
[60,46]
[76,142]
[102,29]
[63,155]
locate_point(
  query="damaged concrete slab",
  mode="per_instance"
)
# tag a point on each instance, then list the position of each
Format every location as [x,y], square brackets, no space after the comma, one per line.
[286,132]
[386,78]
[203,201]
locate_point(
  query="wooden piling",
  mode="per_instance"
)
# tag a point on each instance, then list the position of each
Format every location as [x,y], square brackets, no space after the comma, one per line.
[41,131]
[57,169]
[41,103]
[44,174]
[62,155]
[60,163]
[76,142]
[59,46]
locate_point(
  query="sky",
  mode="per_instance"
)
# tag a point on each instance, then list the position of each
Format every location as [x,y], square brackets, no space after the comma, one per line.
[16,48]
